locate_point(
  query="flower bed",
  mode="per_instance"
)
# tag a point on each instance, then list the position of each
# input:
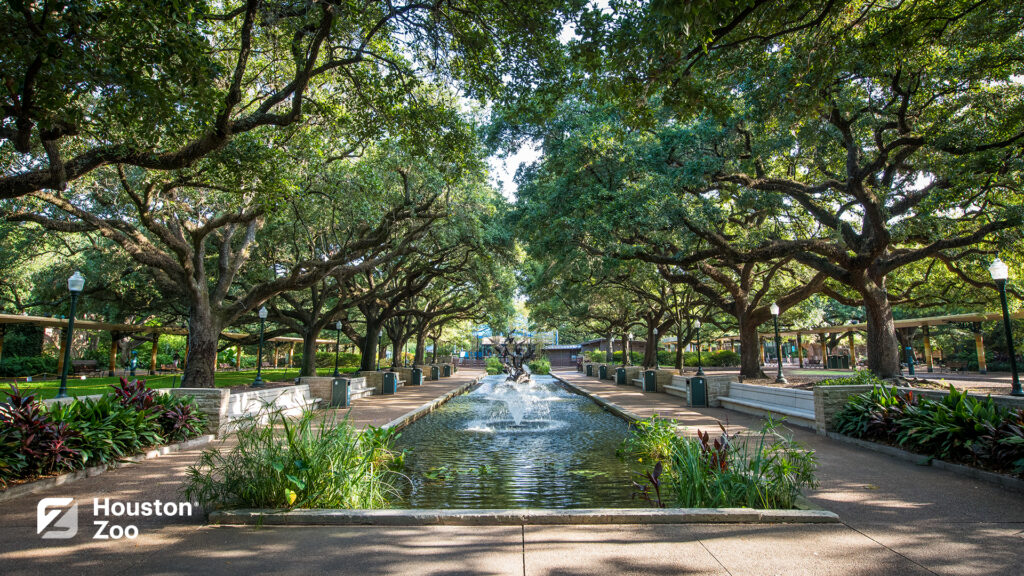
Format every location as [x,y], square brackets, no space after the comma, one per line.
[955,428]
[38,440]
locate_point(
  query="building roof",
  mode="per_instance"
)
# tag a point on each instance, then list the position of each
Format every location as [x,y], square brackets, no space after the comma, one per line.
[562,347]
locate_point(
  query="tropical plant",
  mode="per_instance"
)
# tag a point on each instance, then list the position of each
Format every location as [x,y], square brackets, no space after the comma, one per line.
[767,471]
[303,463]
[494,366]
[540,366]
[957,427]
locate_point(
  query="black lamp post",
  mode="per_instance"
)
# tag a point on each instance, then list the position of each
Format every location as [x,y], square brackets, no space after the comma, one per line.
[258,382]
[337,347]
[779,379]
[700,365]
[657,365]
[1000,273]
[75,285]
[380,339]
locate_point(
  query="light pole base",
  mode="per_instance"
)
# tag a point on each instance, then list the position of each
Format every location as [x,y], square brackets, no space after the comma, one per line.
[781,380]
[700,371]
[257,383]
[1017,393]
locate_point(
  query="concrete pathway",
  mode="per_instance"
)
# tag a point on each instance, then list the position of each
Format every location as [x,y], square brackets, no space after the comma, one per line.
[898,519]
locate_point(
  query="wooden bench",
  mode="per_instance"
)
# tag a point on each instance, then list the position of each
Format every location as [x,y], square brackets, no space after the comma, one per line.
[83,365]
[796,405]
[956,366]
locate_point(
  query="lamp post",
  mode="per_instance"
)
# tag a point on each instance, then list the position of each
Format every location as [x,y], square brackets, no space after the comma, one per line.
[779,379]
[258,382]
[657,365]
[1000,273]
[337,346]
[380,339]
[700,365]
[626,350]
[75,285]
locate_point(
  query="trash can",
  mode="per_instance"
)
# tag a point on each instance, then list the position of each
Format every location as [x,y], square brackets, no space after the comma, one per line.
[446,370]
[435,372]
[620,376]
[340,393]
[650,381]
[390,385]
[603,372]
[590,369]
[698,391]
[417,377]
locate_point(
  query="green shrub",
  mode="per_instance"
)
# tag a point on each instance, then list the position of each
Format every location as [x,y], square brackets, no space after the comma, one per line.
[540,366]
[304,463]
[666,358]
[861,377]
[35,439]
[21,366]
[635,358]
[958,427]
[493,365]
[717,358]
[768,471]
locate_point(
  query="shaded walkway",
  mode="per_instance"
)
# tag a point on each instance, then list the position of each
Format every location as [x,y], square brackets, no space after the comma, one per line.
[898,519]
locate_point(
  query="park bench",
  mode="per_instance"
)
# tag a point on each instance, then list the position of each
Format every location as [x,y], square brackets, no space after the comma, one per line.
[796,405]
[956,366]
[83,365]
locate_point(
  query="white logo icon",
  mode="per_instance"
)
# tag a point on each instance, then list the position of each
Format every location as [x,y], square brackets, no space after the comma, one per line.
[53,513]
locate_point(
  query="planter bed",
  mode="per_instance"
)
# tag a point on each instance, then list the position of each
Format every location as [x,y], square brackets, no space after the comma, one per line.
[29,485]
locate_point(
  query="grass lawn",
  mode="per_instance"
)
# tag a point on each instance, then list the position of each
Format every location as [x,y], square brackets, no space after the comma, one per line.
[99,385]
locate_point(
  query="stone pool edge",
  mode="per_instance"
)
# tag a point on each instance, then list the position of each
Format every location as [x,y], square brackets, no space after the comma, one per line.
[517,517]
[410,417]
[619,411]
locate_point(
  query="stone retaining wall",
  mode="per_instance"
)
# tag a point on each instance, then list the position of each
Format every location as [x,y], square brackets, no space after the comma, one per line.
[213,403]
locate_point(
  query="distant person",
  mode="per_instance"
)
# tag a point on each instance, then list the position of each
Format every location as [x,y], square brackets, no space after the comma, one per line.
[176,358]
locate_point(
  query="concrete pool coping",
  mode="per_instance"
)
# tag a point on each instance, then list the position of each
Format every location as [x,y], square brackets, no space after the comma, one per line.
[517,517]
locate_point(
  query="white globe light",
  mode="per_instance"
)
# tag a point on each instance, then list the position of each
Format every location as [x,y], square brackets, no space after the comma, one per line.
[76,282]
[775,309]
[263,312]
[696,324]
[999,270]
[338,324]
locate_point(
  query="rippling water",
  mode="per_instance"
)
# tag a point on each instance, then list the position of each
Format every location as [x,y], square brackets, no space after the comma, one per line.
[471,453]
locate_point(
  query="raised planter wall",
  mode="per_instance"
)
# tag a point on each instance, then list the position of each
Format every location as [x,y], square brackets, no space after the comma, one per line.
[213,403]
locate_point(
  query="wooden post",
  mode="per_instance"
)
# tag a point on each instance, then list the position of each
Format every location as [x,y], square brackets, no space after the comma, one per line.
[60,355]
[979,342]
[928,349]
[824,350]
[152,355]
[275,354]
[764,359]
[238,357]
[112,359]
[853,351]
[800,349]
[291,352]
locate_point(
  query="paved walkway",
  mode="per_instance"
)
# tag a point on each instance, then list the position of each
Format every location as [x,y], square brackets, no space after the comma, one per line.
[898,519]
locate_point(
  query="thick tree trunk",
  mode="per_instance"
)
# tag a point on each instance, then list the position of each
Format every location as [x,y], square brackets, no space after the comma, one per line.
[421,348]
[626,349]
[651,351]
[368,359]
[204,332]
[882,342]
[309,352]
[750,351]
[433,359]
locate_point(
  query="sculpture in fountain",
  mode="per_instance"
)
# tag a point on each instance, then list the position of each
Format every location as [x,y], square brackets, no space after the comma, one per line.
[514,356]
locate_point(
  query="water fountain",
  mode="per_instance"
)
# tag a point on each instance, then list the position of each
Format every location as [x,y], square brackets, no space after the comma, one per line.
[514,355]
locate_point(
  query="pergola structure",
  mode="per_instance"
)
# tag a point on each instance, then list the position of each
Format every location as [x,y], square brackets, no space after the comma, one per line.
[971,322]
[117,330]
